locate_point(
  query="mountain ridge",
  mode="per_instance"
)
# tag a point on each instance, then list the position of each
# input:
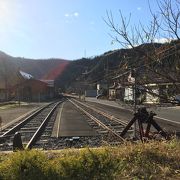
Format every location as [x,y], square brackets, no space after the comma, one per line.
[38,68]
[75,74]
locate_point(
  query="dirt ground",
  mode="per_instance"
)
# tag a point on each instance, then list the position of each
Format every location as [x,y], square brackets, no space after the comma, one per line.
[13,112]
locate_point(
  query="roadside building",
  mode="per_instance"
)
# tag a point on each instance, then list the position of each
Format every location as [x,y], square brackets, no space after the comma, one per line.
[102,88]
[91,93]
[156,91]
[120,92]
[112,92]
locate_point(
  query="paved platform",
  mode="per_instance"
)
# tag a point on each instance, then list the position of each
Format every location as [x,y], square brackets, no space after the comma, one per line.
[70,122]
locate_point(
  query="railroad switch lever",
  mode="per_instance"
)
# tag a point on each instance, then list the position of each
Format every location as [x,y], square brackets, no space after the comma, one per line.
[143,116]
[17,142]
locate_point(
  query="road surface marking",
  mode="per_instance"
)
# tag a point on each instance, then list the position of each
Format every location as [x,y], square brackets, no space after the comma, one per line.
[164,119]
[60,114]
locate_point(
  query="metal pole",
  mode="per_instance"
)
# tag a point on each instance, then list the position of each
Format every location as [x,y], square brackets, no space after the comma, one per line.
[135,101]
[107,78]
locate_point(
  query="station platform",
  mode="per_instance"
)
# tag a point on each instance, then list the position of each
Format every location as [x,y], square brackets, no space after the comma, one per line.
[70,122]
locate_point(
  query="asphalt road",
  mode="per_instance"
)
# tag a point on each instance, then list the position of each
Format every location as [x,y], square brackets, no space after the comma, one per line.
[167,117]
[169,113]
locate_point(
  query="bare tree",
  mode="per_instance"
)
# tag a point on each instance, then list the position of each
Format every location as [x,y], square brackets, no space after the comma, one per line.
[161,62]
[164,24]
[169,13]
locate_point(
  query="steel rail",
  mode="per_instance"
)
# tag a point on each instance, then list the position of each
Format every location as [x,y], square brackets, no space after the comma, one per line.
[39,131]
[22,123]
[98,121]
[111,117]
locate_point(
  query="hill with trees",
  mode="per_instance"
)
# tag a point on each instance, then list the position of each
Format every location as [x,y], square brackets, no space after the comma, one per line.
[47,69]
[152,62]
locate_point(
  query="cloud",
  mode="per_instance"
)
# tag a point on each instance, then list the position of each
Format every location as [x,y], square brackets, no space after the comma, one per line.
[139,8]
[76,14]
[72,15]
[92,22]
[130,47]
[66,15]
[162,40]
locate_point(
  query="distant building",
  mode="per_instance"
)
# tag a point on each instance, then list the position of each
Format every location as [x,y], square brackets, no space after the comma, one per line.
[91,93]
[112,92]
[33,90]
[51,87]
[157,91]
[102,88]
[25,87]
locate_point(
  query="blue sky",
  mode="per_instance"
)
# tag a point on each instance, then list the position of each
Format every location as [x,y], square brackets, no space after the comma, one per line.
[68,29]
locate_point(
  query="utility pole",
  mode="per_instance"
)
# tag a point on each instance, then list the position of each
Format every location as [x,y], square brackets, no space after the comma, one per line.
[135,99]
[107,78]
[133,79]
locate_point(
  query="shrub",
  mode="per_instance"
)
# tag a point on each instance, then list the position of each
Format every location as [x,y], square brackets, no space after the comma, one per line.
[25,165]
[153,160]
[88,164]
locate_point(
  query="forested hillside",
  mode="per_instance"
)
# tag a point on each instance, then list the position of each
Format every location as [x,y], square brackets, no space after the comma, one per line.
[39,69]
[151,61]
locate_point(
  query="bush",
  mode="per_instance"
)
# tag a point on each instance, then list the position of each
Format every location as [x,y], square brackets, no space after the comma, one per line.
[88,164]
[153,160]
[25,165]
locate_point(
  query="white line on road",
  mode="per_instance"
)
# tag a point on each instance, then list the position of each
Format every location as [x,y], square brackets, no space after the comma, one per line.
[164,119]
[60,114]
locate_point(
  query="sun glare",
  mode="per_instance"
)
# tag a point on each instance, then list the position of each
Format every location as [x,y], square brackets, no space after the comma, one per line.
[4,10]
[7,12]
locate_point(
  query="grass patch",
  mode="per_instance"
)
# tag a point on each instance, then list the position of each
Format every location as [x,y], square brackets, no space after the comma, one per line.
[155,160]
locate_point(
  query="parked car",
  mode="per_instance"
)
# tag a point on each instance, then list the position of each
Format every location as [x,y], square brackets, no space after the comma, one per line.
[176,99]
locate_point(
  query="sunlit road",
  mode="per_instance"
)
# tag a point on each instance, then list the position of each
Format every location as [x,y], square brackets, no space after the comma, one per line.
[168,117]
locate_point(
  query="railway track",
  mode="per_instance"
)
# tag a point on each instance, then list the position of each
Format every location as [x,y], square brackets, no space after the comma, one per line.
[36,130]
[107,129]
[108,126]
[31,128]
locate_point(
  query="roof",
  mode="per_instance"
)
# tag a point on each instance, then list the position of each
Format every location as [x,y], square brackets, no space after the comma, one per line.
[50,83]
[25,75]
